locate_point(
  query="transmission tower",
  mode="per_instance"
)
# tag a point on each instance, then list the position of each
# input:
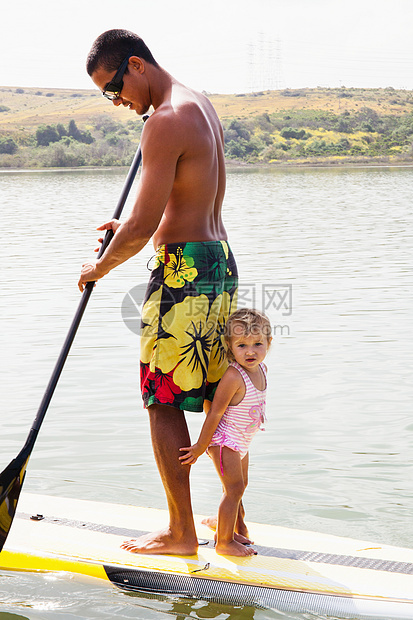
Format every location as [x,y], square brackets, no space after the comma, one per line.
[265,64]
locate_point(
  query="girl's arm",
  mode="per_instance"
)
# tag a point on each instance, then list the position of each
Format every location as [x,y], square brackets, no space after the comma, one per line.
[229,385]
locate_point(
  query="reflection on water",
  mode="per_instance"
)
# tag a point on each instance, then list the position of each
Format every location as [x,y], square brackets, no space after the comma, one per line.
[336,453]
[61,598]
[193,608]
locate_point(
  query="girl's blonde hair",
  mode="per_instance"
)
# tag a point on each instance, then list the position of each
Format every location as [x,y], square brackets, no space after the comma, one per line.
[246,321]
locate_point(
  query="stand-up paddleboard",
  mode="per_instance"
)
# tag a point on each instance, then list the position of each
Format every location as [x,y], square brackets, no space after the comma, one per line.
[294,571]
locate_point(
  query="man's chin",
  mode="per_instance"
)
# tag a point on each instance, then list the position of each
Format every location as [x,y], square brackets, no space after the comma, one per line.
[143,110]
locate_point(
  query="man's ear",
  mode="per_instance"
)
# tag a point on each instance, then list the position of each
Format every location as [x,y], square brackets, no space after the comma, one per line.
[136,64]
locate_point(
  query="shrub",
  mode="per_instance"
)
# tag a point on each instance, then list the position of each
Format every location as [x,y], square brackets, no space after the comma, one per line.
[239,128]
[61,130]
[343,126]
[292,93]
[8,145]
[78,135]
[235,150]
[106,124]
[45,134]
[289,132]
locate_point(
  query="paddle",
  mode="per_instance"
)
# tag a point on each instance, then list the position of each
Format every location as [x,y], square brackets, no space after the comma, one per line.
[11,479]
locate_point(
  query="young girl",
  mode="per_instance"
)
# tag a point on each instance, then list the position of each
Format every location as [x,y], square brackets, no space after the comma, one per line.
[236,414]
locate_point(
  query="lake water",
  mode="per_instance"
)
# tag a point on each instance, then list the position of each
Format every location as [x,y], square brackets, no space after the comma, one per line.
[328,254]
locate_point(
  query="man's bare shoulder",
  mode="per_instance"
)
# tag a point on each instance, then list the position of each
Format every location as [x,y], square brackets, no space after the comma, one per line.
[183,108]
[162,129]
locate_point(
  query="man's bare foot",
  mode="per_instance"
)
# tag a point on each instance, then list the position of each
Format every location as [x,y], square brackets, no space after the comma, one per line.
[162,542]
[242,538]
[234,548]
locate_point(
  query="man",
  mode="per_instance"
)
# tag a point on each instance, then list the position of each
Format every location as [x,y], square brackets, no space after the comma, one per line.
[193,285]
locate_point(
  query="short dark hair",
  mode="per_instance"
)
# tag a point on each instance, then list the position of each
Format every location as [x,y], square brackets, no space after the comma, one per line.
[112,46]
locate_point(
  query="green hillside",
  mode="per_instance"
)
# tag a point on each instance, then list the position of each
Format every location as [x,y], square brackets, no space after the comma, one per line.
[60,128]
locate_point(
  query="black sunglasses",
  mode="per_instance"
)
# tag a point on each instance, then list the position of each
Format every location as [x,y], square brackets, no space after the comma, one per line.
[113,88]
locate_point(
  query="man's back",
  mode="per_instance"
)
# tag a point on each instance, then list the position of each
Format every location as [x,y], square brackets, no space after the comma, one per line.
[193,210]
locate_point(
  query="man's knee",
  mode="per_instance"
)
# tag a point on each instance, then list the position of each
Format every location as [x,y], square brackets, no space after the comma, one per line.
[158,408]
[165,414]
[168,426]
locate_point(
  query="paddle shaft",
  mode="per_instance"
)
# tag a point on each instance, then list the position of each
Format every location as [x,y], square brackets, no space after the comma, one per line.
[79,312]
[12,477]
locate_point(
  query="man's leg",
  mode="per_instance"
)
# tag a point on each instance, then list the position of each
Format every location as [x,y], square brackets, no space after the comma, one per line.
[169,432]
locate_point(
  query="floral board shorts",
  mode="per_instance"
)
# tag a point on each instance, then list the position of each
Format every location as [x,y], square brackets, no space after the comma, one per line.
[191,292]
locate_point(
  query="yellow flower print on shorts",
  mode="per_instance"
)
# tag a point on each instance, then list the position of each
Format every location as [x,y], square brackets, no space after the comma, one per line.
[191,292]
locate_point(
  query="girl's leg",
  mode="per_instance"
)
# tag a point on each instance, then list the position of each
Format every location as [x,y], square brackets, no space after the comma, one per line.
[240,525]
[241,534]
[233,484]
[241,531]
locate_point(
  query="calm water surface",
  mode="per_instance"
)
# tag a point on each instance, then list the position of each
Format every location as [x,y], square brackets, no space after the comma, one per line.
[328,253]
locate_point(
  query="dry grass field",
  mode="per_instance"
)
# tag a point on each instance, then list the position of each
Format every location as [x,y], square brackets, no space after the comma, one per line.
[31,107]
[64,127]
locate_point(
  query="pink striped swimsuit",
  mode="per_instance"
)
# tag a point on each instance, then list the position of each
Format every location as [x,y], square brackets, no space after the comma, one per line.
[240,422]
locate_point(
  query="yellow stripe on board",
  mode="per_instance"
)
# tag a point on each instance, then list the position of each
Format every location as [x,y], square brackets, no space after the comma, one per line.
[284,574]
[11,560]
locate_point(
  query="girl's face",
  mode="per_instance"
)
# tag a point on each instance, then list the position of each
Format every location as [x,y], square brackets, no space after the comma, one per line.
[249,351]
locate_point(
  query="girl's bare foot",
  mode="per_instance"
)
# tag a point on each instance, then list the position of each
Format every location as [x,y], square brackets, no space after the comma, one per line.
[238,538]
[211,522]
[242,534]
[242,538]
[234,548]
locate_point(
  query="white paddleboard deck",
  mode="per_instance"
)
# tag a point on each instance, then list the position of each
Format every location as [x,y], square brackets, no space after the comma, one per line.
[295,570]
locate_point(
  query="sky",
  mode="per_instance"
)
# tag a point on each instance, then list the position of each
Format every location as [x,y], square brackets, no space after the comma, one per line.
[217,46]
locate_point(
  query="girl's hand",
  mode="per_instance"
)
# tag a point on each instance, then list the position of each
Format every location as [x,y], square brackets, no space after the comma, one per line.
[192,454]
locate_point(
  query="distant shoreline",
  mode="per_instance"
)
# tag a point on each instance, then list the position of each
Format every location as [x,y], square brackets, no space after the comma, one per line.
[230,166]
[300,165]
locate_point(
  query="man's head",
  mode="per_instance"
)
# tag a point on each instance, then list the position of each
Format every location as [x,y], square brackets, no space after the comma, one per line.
[112,46]
[120,64]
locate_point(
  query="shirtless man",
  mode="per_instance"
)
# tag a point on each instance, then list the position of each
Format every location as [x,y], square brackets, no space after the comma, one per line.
[193,285]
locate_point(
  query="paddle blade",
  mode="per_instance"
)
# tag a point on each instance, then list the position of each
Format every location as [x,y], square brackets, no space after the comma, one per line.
[11,482]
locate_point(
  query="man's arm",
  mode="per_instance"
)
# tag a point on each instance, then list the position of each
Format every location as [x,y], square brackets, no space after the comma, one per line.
[161,146]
